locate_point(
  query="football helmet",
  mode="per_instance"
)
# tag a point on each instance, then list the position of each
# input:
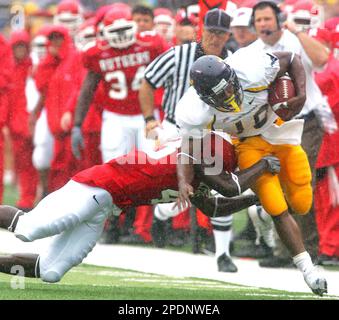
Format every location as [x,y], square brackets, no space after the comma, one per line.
[217,84]
[69,15]
[164,23]
[86,35]
[306,15]
[119,30]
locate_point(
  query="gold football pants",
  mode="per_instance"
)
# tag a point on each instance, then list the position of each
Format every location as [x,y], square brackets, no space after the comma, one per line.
[291,187]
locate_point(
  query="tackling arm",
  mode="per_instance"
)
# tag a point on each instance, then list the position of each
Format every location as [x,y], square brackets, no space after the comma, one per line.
[227,184]
[233,184]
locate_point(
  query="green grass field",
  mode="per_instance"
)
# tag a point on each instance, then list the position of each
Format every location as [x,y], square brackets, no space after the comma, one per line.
[100,283]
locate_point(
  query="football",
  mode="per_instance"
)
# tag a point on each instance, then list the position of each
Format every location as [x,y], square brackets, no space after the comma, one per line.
[280,91]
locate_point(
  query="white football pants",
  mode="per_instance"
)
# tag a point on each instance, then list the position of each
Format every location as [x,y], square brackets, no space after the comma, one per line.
[75,216]
[121,133]
[43,143]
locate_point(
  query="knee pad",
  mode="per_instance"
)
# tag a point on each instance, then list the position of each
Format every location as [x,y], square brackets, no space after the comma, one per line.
[54,268]
[51,276]
[301,199]
[29,229]
[271,196]
[297,167]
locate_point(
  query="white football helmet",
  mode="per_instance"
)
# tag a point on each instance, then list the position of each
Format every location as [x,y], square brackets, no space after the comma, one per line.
[69,15]
[86,35]
[119,30]
[306,15]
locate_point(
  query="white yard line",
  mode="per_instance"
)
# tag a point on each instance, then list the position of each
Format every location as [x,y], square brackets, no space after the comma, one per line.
[182,264]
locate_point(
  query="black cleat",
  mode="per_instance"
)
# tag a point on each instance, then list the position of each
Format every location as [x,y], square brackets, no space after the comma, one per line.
[253,251]
[320,287]
[177,237]
[325,260]
[225,264]
[133,239]
[276,262]
[159,232]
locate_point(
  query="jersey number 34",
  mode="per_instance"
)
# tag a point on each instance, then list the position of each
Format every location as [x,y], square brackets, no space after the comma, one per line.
[119,87]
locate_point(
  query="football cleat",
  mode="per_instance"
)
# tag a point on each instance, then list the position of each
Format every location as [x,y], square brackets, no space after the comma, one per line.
[316,282]
[225,264]
[159,232]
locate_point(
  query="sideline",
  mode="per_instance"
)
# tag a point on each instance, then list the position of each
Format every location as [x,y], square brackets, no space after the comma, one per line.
[182,264]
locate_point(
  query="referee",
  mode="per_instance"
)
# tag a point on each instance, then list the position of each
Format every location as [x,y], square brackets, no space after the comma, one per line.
[171,71]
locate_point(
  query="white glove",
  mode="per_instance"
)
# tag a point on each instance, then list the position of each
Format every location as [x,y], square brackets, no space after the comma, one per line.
[333,186]
[326,118]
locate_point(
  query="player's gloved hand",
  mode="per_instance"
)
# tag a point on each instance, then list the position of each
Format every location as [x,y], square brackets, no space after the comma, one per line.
[273,164]
[77,142]
[326,119]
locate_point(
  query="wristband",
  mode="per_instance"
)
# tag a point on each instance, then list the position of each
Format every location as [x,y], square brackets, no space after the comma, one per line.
[149,118]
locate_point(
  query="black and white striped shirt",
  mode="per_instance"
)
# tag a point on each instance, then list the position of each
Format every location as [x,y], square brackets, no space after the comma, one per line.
[171,70]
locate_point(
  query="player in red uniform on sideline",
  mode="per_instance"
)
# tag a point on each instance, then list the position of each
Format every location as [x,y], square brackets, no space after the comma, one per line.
[118,61]
[56,77]
[6,63]
[327,187]
[18,121]
[75,214]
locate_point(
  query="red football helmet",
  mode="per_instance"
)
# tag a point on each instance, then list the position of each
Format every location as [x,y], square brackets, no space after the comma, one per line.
[119,30]
[306,15]
[69,14]
[164,23]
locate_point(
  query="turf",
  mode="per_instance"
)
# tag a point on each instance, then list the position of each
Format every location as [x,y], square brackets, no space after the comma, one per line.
[101,283]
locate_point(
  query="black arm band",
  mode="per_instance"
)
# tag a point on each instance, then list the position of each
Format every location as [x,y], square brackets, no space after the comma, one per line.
[149,118]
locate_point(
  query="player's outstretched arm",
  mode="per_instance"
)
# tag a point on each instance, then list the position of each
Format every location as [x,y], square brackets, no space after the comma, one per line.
[233,184]
[222,206]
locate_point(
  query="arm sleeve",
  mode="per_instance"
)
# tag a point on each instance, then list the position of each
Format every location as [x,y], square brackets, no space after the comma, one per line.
[89,62]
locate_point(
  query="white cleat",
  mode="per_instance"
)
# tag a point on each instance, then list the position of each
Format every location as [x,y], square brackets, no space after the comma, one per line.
[316,282]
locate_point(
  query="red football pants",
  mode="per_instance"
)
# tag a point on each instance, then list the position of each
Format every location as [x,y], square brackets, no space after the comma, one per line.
[64,165]
[327,218]
[26,174]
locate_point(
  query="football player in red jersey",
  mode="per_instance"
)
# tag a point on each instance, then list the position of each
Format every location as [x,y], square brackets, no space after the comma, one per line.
[118,60]
[75,214]
[69,15]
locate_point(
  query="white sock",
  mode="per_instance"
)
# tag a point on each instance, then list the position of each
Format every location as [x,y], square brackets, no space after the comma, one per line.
[222,242]
[304,262]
